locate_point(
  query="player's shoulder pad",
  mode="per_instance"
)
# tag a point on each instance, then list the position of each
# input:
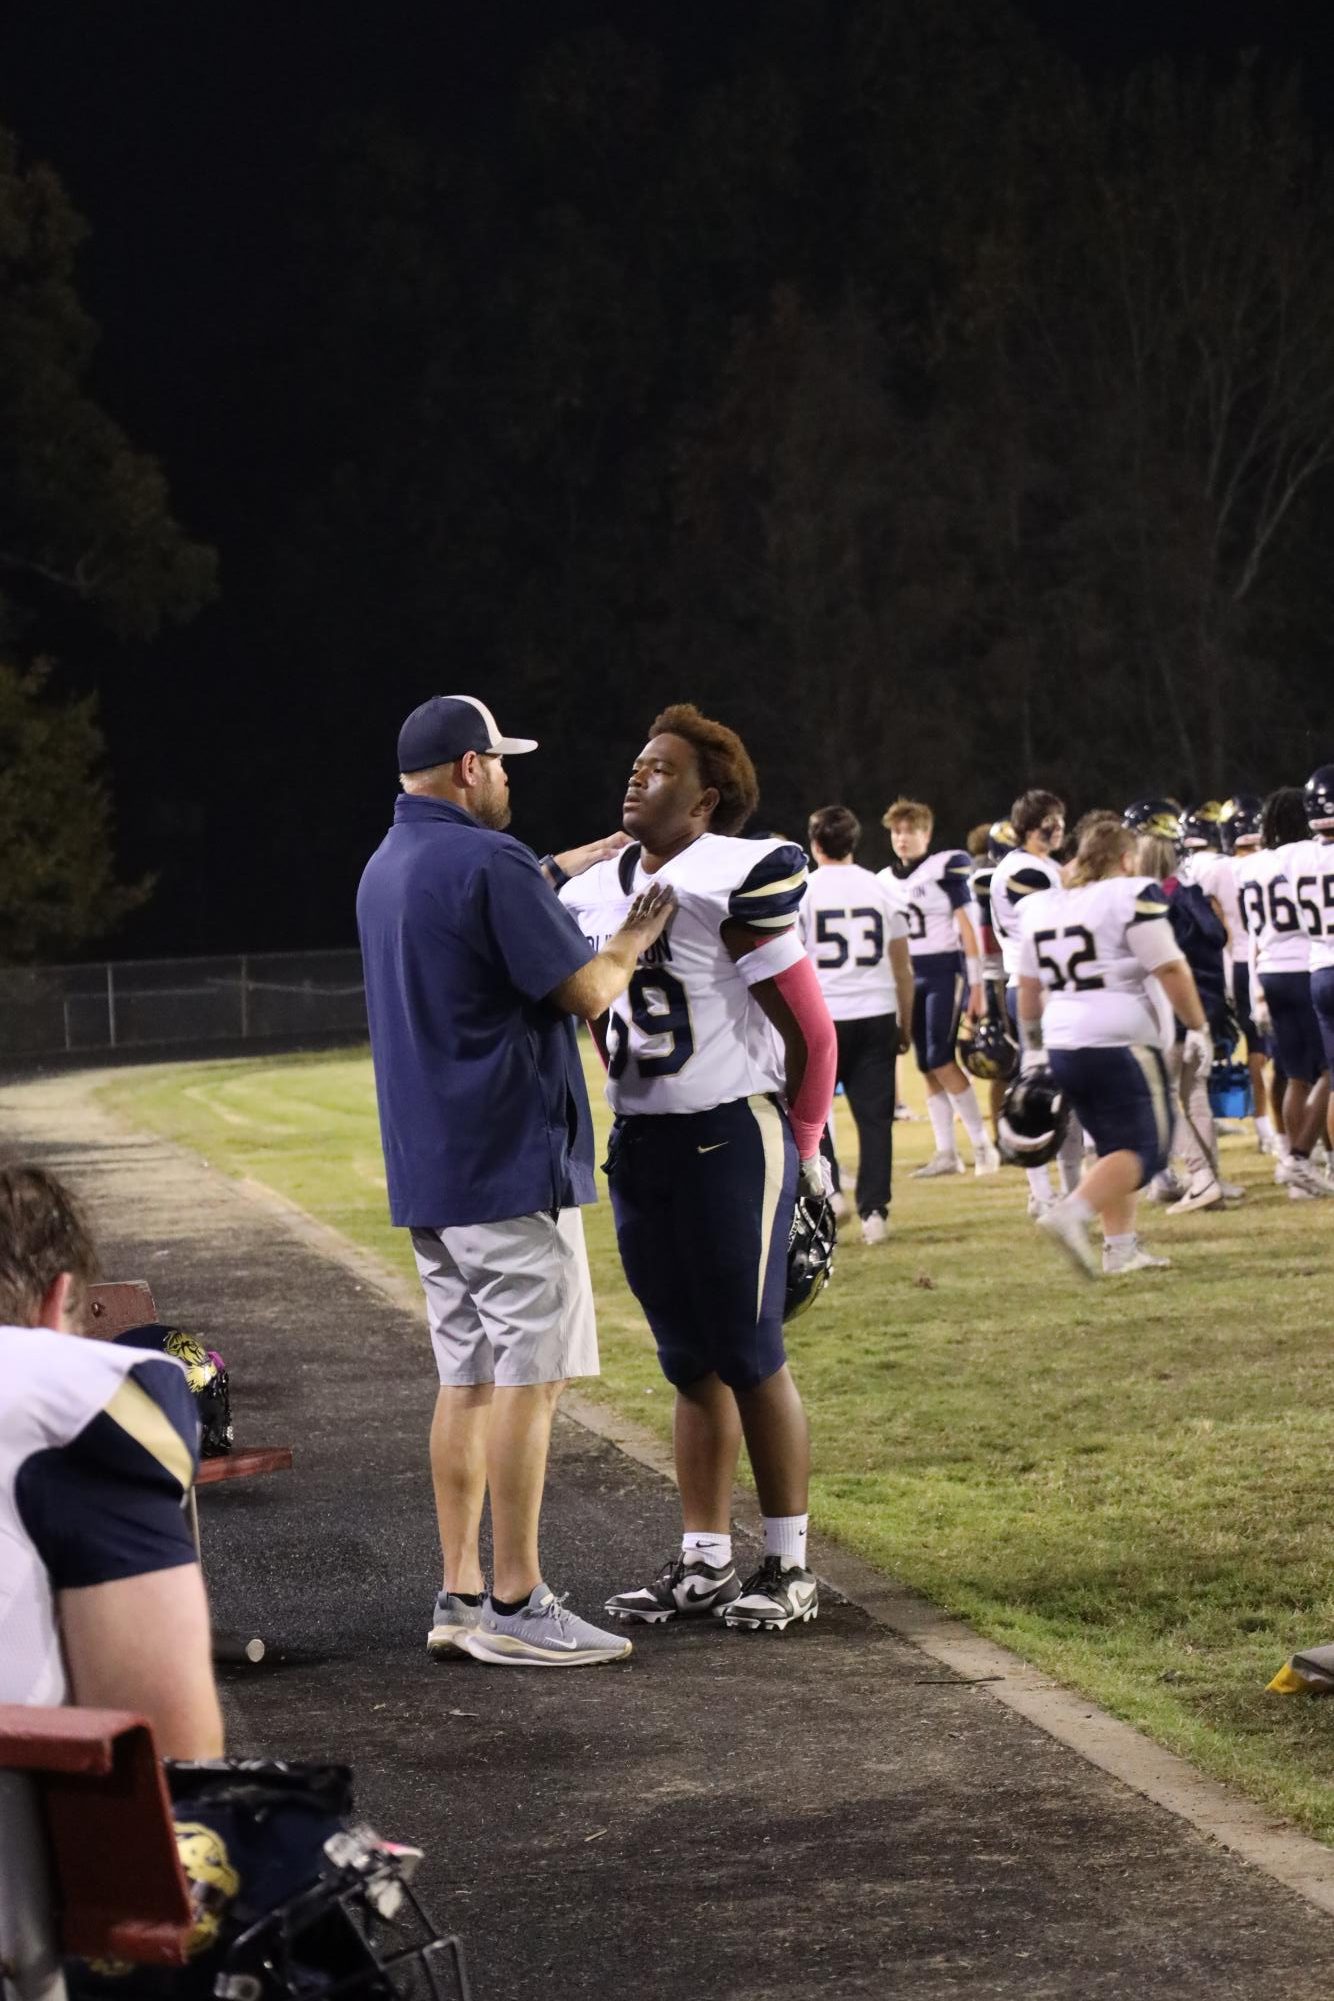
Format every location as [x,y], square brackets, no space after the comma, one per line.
[1148,900]
[957,863]
[148,1429]
[768,896]
[1026,880]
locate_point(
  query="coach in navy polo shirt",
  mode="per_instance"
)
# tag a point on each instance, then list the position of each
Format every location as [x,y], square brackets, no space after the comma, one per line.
[473,972]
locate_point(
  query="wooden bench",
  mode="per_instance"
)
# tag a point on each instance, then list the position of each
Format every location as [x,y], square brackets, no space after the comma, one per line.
[88,1860]
[118,1307]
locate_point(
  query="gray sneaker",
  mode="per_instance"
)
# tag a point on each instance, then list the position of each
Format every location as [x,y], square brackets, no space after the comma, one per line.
[541,1634]
[451,1620]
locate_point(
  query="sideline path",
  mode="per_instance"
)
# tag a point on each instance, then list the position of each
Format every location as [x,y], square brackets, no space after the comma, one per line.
[827,1812]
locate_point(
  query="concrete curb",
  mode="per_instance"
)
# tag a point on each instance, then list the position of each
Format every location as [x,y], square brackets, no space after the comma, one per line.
[1294,1859]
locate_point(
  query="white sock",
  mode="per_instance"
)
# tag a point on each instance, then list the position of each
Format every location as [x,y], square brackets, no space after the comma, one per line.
[707,1547]
[1282,1146]
[1079,1208]
[1263,1127]
[942,1120]
[1039,1183]
[970,1112]
[1124,1243]
[785,1535]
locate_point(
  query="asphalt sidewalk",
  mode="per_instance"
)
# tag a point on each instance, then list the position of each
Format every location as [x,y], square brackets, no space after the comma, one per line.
[829,1811]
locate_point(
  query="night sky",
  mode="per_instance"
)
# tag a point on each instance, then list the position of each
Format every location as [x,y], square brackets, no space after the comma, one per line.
[182,135]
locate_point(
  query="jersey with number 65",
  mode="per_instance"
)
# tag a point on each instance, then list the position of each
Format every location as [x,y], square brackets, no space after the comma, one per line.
[846,922]
[688,1034]
[1094,948]
[1278,943]
[930,893]
[1306,874]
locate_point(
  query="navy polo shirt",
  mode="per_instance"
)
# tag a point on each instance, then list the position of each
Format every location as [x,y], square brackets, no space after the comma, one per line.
[483,1109]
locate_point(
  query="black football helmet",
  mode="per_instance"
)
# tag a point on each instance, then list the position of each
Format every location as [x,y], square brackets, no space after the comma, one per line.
[990,1053]
[1032,1120]
[810,1254]
[1001,840]
[1154,816]
[1200,827]
[1239,820]
[1318,798]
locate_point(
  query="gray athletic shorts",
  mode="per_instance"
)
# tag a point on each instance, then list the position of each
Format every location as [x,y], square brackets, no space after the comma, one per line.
[510,1302]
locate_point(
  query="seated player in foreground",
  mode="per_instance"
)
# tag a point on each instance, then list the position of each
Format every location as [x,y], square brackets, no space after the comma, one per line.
[935,891]
[720,1068]
[1100,976]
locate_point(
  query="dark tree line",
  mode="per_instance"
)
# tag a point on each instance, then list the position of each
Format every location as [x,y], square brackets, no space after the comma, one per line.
[943,422]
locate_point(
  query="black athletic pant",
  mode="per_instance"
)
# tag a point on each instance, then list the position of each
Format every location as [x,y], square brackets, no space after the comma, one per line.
[868,1052]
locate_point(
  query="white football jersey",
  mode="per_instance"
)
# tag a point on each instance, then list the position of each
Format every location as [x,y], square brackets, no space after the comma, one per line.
[98,1446]
[847,920]
[930,894]
[1093,949]
[688,1033]
[1277,943]
[1017,878]
[1216,875]
[1307,871]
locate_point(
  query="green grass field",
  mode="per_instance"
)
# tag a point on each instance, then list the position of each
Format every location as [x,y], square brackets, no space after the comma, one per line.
[1128,1482]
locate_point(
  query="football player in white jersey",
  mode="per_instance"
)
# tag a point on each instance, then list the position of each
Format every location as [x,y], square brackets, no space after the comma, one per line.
[947,970]
[1308,868]
[1100,976]
[1239,828]
[101,1599]
[1279,952]
[720,1070]
[853,926]
[1038,819]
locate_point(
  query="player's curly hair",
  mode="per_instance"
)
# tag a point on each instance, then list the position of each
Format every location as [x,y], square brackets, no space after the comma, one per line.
[43,1232]
[724,763]
[1283,817]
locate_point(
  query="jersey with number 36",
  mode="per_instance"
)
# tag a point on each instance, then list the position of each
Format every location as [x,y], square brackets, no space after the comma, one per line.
[1278,940]
[1094,948]
[847,922]
[688,1033]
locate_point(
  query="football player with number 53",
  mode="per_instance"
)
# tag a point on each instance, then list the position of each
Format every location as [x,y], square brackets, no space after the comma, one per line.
[720,1069]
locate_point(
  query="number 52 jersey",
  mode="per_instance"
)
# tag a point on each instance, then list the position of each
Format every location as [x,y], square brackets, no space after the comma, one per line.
[1093,948]
[688,1033]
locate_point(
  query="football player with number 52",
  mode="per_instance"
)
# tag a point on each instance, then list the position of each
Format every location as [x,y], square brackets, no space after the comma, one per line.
[720,1070]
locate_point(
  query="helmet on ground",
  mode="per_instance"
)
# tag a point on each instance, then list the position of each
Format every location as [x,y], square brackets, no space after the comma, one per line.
[1239,821]
[1154,816]
[1032,1119]
[1001,840]
[1200,827]
[206,1374]
[1318,797]
[990,1052]
[810,1254]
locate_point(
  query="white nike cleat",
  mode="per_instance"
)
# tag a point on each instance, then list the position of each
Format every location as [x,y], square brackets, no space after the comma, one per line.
[1305,1175]
[986,1158]
[777,1595]
[1067,1230]
[875,1229]
[681,1590]
[1166,1187]
[1117,1261]
[1204,1194]
[939,1163]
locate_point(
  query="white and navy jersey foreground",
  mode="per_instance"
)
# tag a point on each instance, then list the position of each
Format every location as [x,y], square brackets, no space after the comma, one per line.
[688,1034]
[98,1450]
[929,895]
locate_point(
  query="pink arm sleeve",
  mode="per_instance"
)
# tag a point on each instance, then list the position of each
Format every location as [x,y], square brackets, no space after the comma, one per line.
[810,1108]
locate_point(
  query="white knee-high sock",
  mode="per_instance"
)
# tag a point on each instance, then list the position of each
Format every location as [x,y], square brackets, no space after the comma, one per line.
[970,1112]
[940,1111]
[1039,1183]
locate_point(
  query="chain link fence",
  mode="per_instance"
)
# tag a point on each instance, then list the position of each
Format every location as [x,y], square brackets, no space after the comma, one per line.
[156,1003]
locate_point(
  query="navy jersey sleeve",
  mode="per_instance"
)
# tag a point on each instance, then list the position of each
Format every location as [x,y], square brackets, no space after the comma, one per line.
[1150,902]
[110,1503]
[1025,881]
[956,880]
[535,937]
[769,897]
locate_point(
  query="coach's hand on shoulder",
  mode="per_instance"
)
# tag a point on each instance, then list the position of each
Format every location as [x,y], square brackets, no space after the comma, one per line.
[575,860]
[591,991]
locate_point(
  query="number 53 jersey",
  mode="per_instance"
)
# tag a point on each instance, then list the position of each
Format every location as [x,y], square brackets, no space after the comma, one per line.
[688,1034]
[1093,948]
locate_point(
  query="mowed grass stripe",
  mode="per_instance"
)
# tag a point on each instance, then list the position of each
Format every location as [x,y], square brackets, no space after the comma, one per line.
[1126,1482]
